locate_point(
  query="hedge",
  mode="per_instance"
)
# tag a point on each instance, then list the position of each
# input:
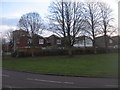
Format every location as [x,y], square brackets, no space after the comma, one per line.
[55,52]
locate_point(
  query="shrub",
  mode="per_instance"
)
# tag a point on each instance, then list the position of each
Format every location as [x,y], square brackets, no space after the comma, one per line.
[14,54]
[55,52]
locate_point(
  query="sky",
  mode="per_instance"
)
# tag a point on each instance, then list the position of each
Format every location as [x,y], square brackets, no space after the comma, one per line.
[12,10]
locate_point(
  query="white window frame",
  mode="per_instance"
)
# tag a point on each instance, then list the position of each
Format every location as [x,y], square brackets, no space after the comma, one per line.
[29,41]
[18,41]
[110,41]
[58,41]
[41,41]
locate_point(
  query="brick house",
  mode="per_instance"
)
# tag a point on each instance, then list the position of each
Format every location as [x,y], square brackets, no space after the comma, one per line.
[20,38]
[117,41]
[100,42]
[54,41]
[23,41]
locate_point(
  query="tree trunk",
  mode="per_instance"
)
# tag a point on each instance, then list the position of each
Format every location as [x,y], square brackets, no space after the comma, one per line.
[70,54]
[94,47]
[17,52]
[32,53]
[32,47]
[106,46]
[84,42]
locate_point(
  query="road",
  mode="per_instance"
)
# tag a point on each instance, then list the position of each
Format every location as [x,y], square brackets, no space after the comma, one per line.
[17,79]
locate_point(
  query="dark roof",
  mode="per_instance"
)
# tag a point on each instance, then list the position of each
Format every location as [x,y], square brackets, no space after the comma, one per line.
[20,30]
[116,38]
[103,38]
[36,35]
[82,37]
[53,35]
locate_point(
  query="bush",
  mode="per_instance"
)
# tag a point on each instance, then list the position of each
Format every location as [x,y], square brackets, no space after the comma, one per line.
[55,52]
[52,52]
[14,54]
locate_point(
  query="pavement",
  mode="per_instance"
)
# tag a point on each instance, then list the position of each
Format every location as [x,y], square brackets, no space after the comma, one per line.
[18,79]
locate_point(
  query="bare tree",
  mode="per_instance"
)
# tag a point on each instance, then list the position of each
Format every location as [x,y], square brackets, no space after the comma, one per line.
[9,37]
[106,19]
[32,23]
[93,16]
[66,20]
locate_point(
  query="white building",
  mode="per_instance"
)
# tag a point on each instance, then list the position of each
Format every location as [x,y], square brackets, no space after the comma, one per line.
[83,41]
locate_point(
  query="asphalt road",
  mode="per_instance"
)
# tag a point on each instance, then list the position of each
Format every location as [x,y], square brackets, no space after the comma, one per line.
[17,79]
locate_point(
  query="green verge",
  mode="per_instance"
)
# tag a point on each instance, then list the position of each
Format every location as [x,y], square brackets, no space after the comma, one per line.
[99,65]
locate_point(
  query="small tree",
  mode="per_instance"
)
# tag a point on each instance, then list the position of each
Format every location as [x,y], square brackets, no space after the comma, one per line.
[32,23]
[9,36]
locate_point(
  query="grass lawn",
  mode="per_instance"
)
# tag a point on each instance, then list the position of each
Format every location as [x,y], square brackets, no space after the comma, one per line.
[100,65]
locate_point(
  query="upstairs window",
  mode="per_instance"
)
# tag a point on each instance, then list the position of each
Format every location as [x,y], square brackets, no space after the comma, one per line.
[88,41]
[48,41]
[29,41]
[18,41]
[41,41]
[58,41]
[110,41]
[81,41]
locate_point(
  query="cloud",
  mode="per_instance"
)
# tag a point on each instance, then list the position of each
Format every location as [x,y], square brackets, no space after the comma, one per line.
[7,24]
[27,0]
[9,21]
[16,14]
[4,28]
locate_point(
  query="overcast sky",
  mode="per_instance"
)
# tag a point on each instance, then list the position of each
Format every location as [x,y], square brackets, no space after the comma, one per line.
[12,10]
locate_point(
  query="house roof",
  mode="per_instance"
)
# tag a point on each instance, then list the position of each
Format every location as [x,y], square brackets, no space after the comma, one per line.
[53,35]
[103,37]
[82,37]
[116,38]
[20,30]
[36,35]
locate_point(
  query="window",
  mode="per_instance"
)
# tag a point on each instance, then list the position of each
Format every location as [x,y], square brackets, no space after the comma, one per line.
[110,41]
[41,41]
[48,41]
[88,41]
[81,41]
[58,41]
[29,41]
[18,42]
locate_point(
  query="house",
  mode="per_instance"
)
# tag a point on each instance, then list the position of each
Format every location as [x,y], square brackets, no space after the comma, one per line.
[23,41]
[117,41]
[20,38]
[54,41]
[39,41]
[83,41]
[100,42]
